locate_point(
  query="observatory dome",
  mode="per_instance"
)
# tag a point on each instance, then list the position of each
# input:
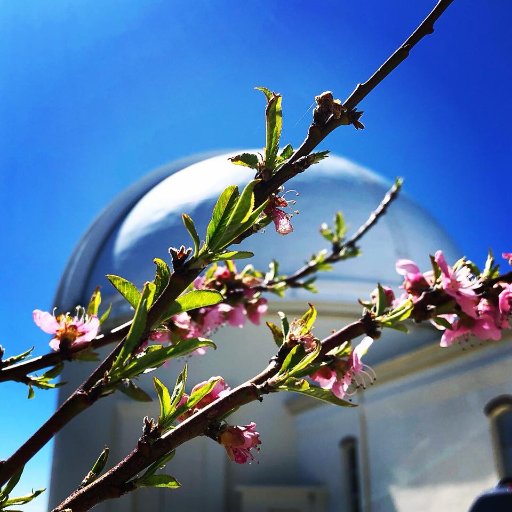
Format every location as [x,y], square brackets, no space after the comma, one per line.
[145,220]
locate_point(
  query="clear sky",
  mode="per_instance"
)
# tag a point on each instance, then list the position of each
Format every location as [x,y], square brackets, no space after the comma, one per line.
[94,94]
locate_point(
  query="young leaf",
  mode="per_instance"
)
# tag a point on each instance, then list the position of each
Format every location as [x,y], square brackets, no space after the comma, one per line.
[194,299]
[277,333]
[165,400]
[18,358]
[162,276]
[340,228]
[305,362]
[12,483]
[314,158]
[303,387]
[159,464]
[136,393]
[127,289]
[308,319]
[233,255]
[94,302]
[221,212]
[106,314]
[247,160]
[244,205]
[191,228]
[21,500]
[31,393]
[200,393]
[160,481]
[97,468]
[286,153]
[284,323]
[138,326]
[382,300]
[274,125]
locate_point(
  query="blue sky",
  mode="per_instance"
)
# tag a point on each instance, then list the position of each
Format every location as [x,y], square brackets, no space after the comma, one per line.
[93,95]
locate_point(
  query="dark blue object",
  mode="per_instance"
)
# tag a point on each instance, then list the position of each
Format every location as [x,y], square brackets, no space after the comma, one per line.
[498,499]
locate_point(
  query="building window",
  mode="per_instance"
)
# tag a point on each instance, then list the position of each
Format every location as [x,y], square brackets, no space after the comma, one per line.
[350,467]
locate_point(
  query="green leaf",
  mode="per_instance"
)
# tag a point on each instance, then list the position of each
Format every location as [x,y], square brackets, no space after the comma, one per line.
[277,333]
[136,393]
[194,299]
[314,158]
[221,212]
[235,230]
[293,357]
[274,117]
[191,228]
[308,319]
[162,276]
[156,355]
[305,362]
[201,392]
[247,160]
[165,400]
[158,464]
[286,153]
[53,372]
[340,228]
[160,481]
[244,205]
[31,393]
[303,387]
[97,467]
[382,300]
[284,323]
[442,322]
[127,289]
[106,314]
[267,92]
[12,482]
[21,500]
[233,255]
[179,388]
[16,359]
[138,325]
[94,302]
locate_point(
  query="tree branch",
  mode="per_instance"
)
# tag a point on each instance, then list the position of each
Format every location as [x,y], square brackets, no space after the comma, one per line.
[317,133]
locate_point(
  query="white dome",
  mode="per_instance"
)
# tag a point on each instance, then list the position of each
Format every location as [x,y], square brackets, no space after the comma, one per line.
[143,222]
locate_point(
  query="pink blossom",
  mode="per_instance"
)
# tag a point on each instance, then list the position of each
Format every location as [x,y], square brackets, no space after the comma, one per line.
[415,282]
[68,330]
[256,309]
[280,217]
[388,292]
[234,315]
[160,336]
[218,391]
[507,256]
[343,377]
[239,441]
[459,283]
[505,299]
[458,330]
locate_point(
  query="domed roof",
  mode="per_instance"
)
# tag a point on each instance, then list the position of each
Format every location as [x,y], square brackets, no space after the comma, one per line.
[144,221]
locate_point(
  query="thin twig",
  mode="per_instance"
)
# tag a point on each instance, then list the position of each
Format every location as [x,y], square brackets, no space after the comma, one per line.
[337,252]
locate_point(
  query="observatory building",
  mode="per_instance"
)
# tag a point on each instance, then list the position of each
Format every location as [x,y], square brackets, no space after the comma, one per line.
[418,440]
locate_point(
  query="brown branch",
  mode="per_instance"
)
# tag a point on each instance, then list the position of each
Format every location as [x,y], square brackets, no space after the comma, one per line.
[90,391]
[336,253]
[317,133]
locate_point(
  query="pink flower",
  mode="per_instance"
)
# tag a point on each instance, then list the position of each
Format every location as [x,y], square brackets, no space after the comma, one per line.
[459,283]
[508,257]
[235,315]
[505,299]
[68,330]
[239,441]
[343,377]
[160,336]
[415,282]
[280,217]
[218,391]
[256,309]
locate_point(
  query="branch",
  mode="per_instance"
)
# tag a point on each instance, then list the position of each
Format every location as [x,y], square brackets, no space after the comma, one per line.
[337,251]
[317,133]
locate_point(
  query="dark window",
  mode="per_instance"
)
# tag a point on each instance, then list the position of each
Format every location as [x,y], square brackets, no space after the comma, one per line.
[350,465]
